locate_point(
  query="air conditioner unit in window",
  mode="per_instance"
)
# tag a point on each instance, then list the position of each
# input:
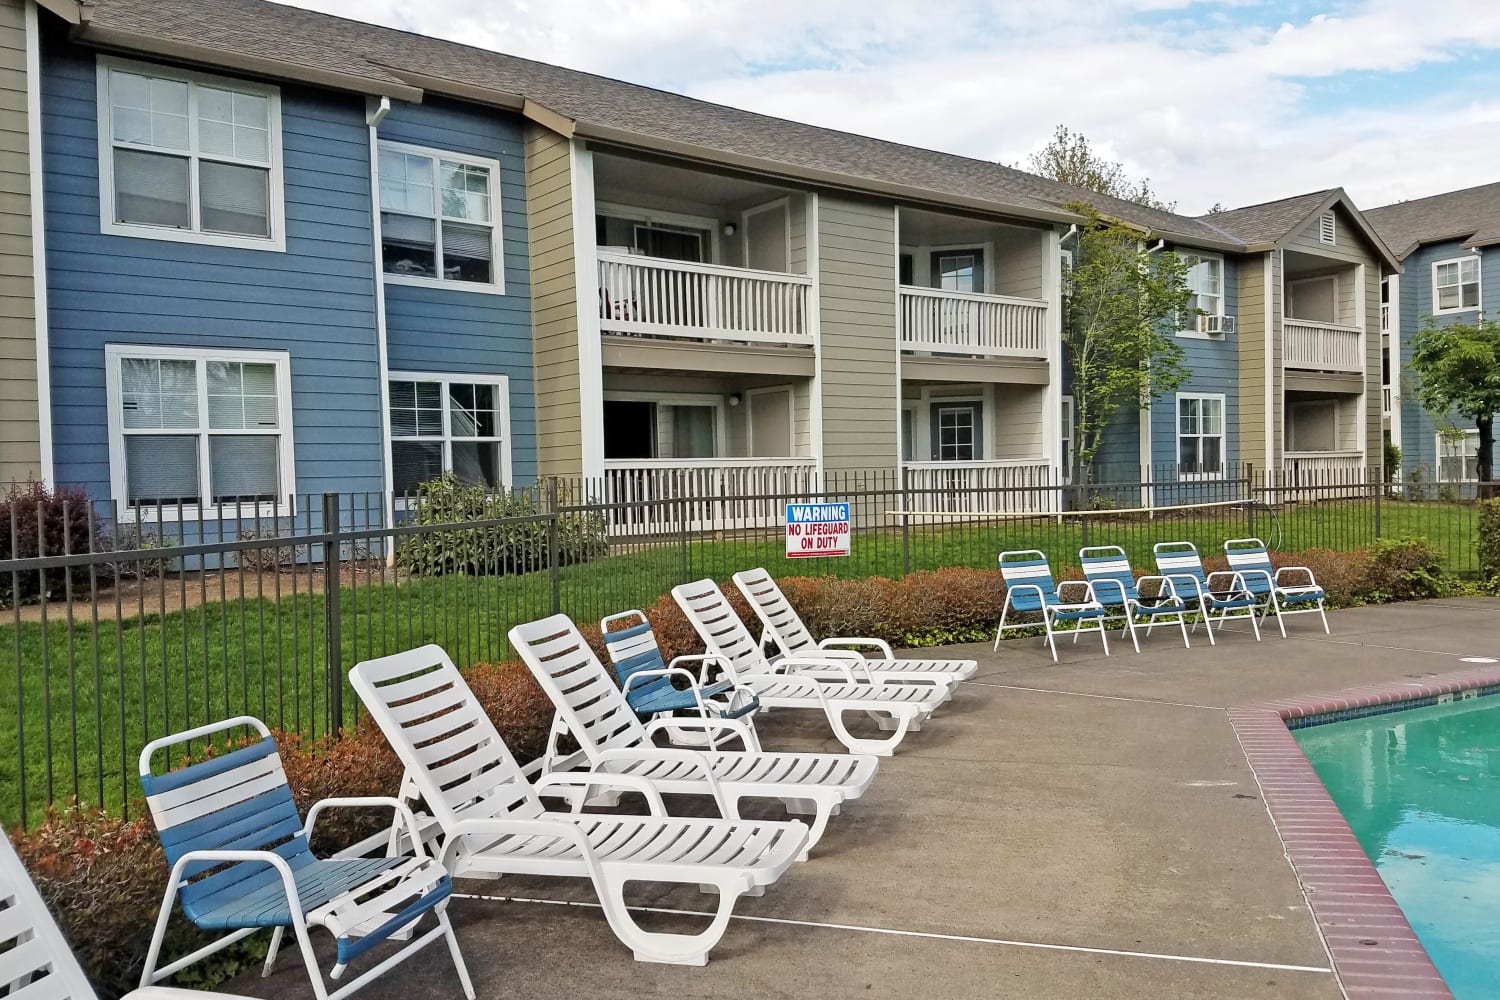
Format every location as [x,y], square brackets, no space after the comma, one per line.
[1216,324]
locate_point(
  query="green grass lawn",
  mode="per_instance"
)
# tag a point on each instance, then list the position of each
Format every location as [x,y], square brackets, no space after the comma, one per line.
[84,700]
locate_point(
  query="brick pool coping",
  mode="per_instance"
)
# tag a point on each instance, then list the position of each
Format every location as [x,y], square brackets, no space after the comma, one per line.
[1374,950]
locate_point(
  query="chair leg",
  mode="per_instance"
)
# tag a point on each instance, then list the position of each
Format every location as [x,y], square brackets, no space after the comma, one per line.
[669,949]
[1000,630]
[458,958]
[1324,615]
[861,744]
[271,952]
[1208,623]
[1047,626]
[1280,622]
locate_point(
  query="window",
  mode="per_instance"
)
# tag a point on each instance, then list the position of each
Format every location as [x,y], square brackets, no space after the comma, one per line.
[669,242]
[1205,279]
[195,428]
[908,433]
[1200,435]
[1458,456]
[1327,228]
[957,433]
[637,427]
[1066,429]
[958,271]
[438,218]
[449,423]
[1455,285]
[188,157]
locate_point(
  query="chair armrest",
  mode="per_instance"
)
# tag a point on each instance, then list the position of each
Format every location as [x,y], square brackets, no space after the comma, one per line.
[1041,598]
[1236,581]
[1258,574]
[276,861]
[1088,591]
[1312,581]
[705,659]
[651,675]
[859,640]
[496,826]
[402,810]
[667,755]
[1164,588]
[737,727]
[791,664]
[589,779]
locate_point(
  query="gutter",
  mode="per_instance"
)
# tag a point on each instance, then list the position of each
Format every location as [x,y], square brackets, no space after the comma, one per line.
[219,60]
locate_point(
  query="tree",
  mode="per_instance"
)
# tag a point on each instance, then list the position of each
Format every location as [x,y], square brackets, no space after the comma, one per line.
[1457,369]
[1122,300]
[1069,157]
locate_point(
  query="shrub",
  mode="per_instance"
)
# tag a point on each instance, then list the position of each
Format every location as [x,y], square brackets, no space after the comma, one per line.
[1392,461]
[1416,490]
[1404,569]
[518,546]
[1447,493]
[37,521]
[125,537]
[1489,539]
[268,558]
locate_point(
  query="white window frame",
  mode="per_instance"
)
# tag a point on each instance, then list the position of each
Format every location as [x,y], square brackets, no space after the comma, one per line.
[1067,438]
[976,408]
[782,205]
[1442,444]
[721,434]
[445,379]
[1223,434]
[1192,331]
[497,239]
[653,217]
[1478,285]
[114,354]
[791,414]
[275,207]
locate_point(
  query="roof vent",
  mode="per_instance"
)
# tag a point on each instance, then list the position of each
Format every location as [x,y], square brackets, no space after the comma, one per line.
[1326,228]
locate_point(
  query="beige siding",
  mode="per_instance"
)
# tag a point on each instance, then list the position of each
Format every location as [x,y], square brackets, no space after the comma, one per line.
[798,258]
[857,314]
[20,448]
[1016,428]
[554,303]
[1348,244]
[1018,263]
[1254,336]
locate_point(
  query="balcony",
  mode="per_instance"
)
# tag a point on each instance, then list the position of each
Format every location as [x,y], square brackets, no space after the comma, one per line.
[969,324]
[1323,346]
[1321,475]
[654,297]
[1021,486]
[728,493]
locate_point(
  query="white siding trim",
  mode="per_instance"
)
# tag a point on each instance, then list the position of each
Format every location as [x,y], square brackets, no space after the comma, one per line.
[1366,397]
[275,207]
[1273,324]
[387,472]
[901,447]
[38,244]
[815,319]
[590,345]
[1478,281]
[1052,293]
[1394,283]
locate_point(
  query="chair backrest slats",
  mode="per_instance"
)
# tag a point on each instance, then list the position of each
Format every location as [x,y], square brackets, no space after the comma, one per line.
[595,710]
[783,623]
[1030,569]
[632,649]
[450,747]
[35,960]
[1108,569]
[1179,559]
[1250,554]
[719,626]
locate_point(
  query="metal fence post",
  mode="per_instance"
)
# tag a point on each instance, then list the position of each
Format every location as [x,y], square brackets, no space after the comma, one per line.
[905,522]
[333,612]
[682,535]
[554,571]
[1083,505]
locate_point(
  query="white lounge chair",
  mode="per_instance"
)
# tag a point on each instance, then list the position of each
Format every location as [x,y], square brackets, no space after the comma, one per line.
[784,627]
[492,821]
[35,960]
[595,712]
[896,708]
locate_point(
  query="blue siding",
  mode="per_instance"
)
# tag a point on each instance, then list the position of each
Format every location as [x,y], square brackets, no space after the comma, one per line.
[446,330]
[314,301]
[1418,429]
[1215,369]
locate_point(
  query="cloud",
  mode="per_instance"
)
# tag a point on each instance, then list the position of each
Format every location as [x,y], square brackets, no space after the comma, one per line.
[1215,100]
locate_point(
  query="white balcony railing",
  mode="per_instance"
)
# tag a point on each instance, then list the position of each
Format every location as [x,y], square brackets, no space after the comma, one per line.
[1321,475]
[969,324]
[995,487]
[1385,317]
[1323,346]
[725,493]
[673,298]
[1385,400]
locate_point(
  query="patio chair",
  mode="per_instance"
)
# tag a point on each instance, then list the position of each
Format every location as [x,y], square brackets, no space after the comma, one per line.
[1290,590]
[595,712]
[783,627]
[1220,595]
[648,681]
[896,708]
[1030,589]
[492,821]
[1107,569]
[241,863]
[36,962]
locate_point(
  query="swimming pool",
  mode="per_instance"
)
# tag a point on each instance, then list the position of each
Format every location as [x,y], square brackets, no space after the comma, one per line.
[1420,788]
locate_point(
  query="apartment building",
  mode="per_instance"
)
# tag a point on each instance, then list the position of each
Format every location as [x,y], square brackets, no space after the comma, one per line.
[288,253]
[1447,277]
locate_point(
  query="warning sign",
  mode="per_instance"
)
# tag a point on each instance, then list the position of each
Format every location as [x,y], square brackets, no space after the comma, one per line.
[817,529]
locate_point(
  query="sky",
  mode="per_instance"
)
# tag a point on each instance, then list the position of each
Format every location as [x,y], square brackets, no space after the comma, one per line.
[1228,101]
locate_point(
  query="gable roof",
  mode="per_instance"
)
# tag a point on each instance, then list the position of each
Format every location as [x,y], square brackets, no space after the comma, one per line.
[274,40]
[1471,214]
[1269,224]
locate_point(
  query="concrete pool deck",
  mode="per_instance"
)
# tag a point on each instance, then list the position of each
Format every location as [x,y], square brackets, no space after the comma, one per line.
[1090,828]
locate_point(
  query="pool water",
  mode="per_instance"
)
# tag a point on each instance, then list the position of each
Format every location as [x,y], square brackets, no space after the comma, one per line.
[1421,790]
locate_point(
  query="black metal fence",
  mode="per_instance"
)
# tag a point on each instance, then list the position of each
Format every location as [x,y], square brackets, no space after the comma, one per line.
[118,626]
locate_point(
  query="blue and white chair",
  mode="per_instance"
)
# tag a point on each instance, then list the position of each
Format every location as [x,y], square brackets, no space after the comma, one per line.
[241,863]
[1152,598]
[648,681]
[1031,589]
[1220,595]
[1290,590]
